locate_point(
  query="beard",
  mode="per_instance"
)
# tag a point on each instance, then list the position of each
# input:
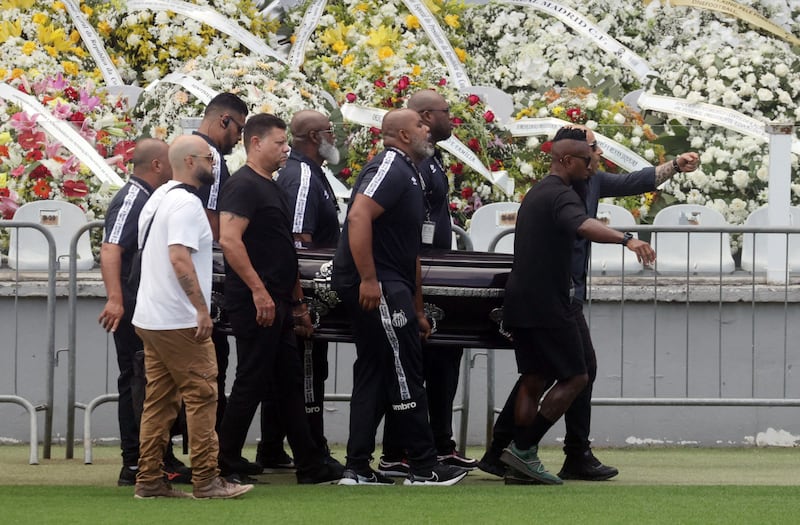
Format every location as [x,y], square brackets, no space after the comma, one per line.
[329,152]
[205,176]
[422,148]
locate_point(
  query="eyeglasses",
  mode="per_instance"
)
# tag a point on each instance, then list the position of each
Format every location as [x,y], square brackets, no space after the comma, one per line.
[587,159]
[209,157]
[445,110]
[239,127]
[593,145]
[330,130]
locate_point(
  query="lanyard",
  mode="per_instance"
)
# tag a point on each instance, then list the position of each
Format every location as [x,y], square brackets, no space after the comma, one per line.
[419,177]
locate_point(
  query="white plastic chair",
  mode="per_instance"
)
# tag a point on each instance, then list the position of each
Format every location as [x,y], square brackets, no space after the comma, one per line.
[708,252]
[28,248]
[760,217]
[488,221]
[607,259]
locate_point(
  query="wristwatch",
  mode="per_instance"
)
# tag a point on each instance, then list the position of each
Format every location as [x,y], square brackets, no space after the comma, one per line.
[627,236]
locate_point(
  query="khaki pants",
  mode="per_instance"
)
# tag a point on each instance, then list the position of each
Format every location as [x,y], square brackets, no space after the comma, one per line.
[177,366]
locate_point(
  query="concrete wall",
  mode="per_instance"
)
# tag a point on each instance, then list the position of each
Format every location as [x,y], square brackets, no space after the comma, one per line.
[642,350]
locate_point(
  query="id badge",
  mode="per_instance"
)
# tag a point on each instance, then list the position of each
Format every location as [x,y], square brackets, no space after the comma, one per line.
[428,228]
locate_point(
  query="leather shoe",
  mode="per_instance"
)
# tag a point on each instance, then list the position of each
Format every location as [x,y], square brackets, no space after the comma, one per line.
[586,467]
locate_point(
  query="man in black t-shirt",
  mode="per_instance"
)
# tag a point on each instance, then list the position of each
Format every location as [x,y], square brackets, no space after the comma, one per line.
[377,276]
[548,343]
[264,301]
[315,223]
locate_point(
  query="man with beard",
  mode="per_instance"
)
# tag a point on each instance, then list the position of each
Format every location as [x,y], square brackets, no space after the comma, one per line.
[221,127]
[172,319]
[264,300]
[549,343]
[580,462]
[441,364]
[315,222]
[376,273]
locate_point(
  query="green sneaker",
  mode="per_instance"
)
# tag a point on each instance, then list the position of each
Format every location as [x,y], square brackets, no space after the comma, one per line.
[526,462]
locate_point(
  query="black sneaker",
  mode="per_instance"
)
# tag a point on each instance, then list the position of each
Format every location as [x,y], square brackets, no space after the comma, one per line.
[281,463]
[325,474]
[127,476]
[491,464]
[393,467]
[366,477]
[175,471]
[440,475]
[457,459]
[586,467]
[242,467]
[240,479]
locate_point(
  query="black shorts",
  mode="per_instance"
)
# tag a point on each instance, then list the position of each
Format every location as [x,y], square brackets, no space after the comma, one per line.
[555,352]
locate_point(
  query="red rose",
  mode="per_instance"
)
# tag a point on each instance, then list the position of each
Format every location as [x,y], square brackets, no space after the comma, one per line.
[496,165]
[388,102]
[473,99]
[77,117]
[453,206]
[442,81]
[547,146]
[101,149]
[71,93]
[574,114]
[345,173]
[457,168]
[4,192]
[474,145]
[457,121]
[351,97]
[40,172]
[488,116]
[75,188]
[403,83]
[374,130]
[466,193]
[380,83]
[34,155]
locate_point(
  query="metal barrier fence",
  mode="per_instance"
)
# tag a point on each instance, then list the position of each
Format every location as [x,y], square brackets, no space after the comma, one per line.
[50,350]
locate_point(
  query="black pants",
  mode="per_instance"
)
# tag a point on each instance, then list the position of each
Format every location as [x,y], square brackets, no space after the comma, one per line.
[441,366]
[268,369]
[130,385]
[313,354]
[222,349]
[388,377]
[577,418]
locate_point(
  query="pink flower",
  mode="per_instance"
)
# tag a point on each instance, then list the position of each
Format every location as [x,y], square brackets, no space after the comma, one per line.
[351,97]
[62,111]
[23,122]
[380,83]
[442,81]
[488,116]
[88,103]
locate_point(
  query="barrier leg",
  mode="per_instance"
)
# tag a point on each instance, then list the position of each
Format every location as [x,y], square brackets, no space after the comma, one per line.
[33,459]
[87,422]
[465,387]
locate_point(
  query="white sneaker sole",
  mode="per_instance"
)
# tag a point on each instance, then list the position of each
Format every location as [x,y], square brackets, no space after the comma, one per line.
[447,483]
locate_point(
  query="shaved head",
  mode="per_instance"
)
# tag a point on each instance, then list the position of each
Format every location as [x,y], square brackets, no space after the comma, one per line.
[404,129]
[305,121]
[145,151]
[426,99]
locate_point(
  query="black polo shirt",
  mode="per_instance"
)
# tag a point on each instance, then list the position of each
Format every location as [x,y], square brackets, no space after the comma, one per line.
[391,180]
[267,238]
[311,200]
[538,289]
[209,193]
[437,196]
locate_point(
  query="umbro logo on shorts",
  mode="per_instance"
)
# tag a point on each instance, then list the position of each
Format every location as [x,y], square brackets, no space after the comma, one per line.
[404,406]
[399,319]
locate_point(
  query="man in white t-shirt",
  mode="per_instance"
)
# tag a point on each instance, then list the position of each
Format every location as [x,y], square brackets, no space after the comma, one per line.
[172,319]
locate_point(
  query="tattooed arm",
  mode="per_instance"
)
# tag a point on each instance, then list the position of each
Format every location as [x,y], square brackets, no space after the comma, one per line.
[181,258]
[685,162]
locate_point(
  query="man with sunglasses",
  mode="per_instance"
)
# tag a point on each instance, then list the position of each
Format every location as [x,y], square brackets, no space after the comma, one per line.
[580,463]
[549,344]
[221,127]
[315,223]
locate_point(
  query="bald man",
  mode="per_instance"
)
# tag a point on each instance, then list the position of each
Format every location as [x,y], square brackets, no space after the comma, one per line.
[315,222]
[172,319]
[151,169]
[548,341]
[377,276]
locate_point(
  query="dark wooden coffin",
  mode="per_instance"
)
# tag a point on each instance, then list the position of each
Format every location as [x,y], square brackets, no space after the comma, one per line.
[462,291]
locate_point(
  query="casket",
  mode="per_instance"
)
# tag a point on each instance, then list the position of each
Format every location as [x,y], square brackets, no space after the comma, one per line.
[462,291]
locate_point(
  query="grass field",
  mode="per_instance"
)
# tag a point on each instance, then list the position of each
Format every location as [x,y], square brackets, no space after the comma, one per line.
[656,485]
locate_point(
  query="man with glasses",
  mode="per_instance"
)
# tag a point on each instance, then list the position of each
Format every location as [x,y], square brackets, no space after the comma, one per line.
[172,319]
[315,223]
[221,127]
[548,341]
[441,364]
[580,462]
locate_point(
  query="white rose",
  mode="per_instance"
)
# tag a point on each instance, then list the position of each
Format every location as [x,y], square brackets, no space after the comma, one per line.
[695,197]
[740,179]
[796,190]
[720,175]
[769,80]
[781,70]
[711,72]
[697,142]
[637,131]
[619,137]
[591,102]
[591,124]
[765,95]
[532,142]
[649,154]
[763,173]
[619,118]
[133,39]
[635,141]
[694,97]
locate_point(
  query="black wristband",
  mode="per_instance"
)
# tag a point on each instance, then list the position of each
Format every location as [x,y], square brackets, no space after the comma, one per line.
[675,166]
[626,237]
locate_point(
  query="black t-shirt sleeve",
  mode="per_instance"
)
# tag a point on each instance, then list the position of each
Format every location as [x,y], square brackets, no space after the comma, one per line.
[569,212]
[387,184]
[236,198]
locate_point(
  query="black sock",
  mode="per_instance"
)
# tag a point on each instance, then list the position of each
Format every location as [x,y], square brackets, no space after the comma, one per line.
[526,437]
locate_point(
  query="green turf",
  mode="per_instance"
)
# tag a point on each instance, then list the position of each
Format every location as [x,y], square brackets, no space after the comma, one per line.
[658,485]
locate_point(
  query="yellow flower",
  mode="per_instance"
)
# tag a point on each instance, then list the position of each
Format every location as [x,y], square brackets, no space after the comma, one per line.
[59,6]
[5,138]
[362,6]
[452,21]
[382,36]
[3,73]
[432,6]
[412,22]
[79,51]
[181,97]
[22,5]
[416,70]
[104,28]
[53,36]
[70,68]
[74,36]
[385,52]
[558,111]
[3,176]
[339,46]
[292,39]
[28,48]
[40,18]
[347,60]
[87,10]
[333,84]
[16,73]
[9,29]
[332,35]
[462,55]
